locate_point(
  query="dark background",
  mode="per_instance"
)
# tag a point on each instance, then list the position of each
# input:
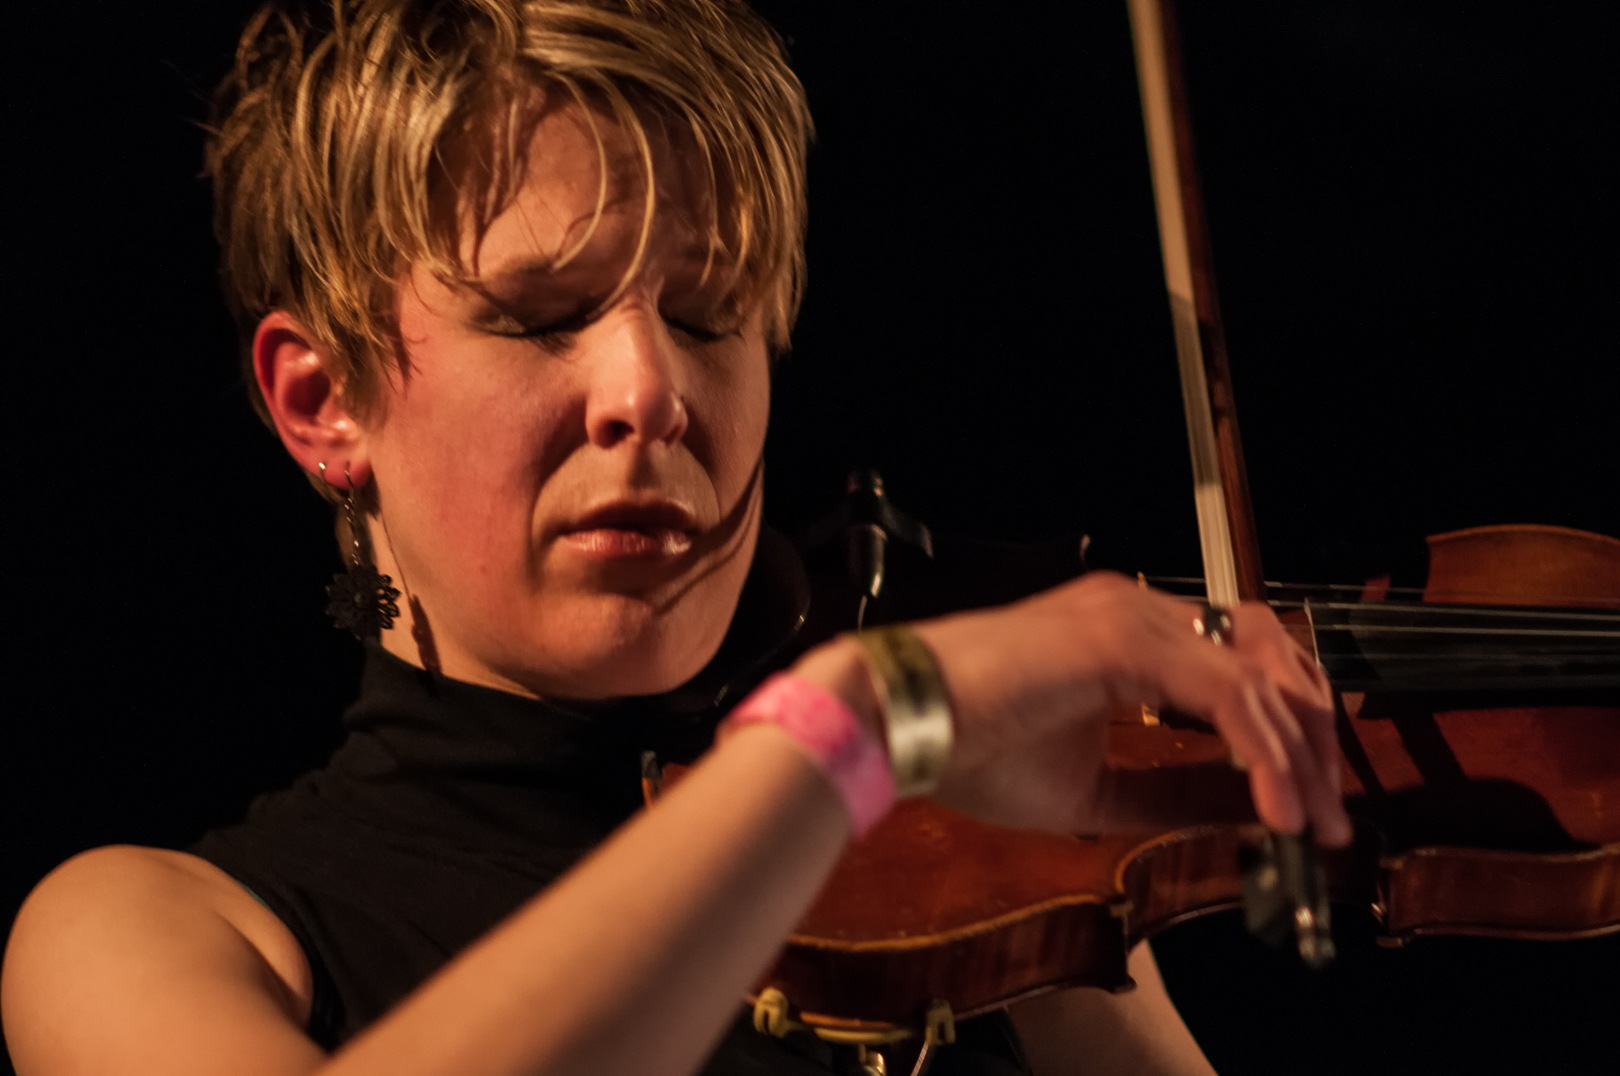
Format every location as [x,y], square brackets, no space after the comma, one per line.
[1415,229]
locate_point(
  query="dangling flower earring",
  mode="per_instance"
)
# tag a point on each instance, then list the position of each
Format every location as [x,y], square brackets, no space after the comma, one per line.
[360,599]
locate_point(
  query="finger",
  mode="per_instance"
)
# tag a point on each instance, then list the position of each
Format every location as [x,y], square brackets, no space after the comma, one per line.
[1223,685]
[1242,721]
[1238,715]
[1209,682]
[1311,781]
[1261,635]
[1256,630]
[1271,803]
[1304,687]
[1301,772]
[1300,712]
[1316,718]
[1322,731]
[1251,734]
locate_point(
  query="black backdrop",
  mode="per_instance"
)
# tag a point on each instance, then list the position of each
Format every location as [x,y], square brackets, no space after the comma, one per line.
[1414,217]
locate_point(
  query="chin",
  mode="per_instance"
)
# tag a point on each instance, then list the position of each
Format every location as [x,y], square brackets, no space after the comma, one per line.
[618,645]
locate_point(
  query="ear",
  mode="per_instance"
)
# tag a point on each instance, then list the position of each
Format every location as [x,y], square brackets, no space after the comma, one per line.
[305,404]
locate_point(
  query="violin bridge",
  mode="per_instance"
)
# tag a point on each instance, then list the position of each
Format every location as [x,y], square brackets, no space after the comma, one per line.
[1150,714]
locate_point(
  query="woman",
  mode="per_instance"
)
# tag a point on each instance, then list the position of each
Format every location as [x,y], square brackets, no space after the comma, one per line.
[512,277]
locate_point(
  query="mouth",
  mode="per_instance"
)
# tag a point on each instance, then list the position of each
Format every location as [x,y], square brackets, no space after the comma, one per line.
[653,530]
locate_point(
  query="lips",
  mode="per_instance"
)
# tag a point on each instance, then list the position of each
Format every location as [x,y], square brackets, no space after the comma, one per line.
[625,529]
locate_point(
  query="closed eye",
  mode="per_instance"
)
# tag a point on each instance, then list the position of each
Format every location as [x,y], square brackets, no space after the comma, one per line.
[558,333]
[555,336]
[702,334]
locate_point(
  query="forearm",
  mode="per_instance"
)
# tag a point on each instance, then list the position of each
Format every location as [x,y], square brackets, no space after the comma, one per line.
[1092,1032]
[636,961]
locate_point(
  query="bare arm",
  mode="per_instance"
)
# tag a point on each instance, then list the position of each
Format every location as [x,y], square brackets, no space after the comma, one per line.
[634,961]
[135,960]
[1089,1032]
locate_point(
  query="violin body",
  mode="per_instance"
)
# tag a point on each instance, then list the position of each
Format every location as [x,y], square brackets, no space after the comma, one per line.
[1476,813]
[1480,750]
[1492,819]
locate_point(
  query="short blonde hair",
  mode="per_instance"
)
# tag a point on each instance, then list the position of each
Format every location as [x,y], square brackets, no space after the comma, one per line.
[340,126]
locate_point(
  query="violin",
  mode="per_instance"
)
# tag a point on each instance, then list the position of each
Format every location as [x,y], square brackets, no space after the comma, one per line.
[1478,725]
[1487,806]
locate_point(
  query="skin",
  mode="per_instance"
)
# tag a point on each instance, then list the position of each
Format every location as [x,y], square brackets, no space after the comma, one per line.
[483,462]
[520,409]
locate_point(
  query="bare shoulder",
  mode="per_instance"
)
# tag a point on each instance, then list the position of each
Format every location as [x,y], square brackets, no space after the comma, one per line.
[135,960]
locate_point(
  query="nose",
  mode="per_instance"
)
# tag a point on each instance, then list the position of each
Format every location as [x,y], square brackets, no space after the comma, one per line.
[635,391]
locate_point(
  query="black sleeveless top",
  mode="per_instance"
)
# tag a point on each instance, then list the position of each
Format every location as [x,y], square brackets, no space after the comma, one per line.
[449,805]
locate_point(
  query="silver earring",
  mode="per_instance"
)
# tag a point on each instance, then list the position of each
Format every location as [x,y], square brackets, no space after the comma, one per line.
[362,598]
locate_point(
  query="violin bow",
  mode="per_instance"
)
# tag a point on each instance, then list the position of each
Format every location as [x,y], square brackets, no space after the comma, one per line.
[1284,887]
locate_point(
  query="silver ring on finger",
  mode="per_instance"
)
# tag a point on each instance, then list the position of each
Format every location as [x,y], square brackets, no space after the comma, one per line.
[1213,624]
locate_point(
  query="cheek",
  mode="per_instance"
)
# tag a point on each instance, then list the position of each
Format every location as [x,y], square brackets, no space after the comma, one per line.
[462,455]
[736,397]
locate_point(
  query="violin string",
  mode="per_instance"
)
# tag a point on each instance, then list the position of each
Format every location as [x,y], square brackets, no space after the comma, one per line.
[1361,588]
[1198,581]
[1495,656]
[1408,629]
[1433,610]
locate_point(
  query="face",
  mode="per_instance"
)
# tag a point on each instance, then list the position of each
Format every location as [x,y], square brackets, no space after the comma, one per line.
[570,494]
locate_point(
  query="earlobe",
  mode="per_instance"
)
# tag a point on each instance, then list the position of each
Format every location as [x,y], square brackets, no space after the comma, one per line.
[309,412]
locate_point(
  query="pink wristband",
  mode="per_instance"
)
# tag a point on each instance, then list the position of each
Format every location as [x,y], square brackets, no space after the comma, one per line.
[828,730]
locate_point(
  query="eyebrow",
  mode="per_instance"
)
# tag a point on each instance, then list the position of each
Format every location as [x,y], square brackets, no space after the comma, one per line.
[693,254]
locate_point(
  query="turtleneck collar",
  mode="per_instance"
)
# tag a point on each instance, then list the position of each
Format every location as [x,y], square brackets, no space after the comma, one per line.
[445,753]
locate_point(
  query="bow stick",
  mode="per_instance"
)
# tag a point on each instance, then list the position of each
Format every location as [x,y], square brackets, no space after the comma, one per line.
[1284,888]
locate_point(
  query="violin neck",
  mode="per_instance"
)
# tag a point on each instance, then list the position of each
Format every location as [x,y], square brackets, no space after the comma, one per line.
[1428,647]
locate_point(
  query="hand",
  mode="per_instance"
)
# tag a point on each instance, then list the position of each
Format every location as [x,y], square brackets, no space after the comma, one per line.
[1032,686]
